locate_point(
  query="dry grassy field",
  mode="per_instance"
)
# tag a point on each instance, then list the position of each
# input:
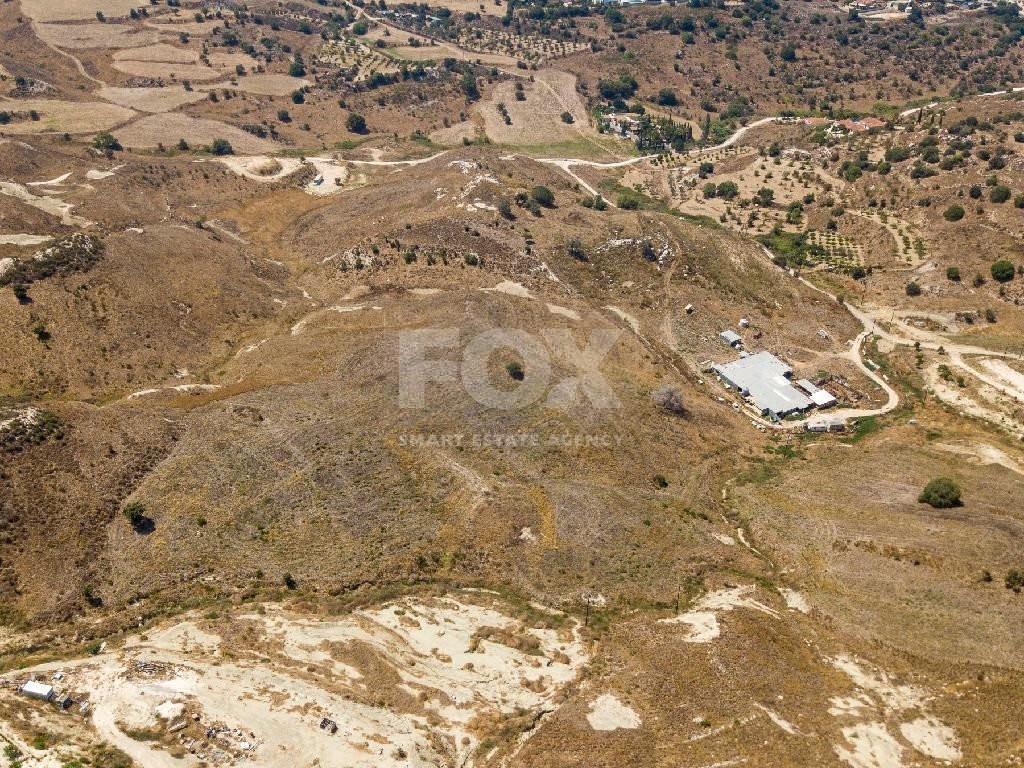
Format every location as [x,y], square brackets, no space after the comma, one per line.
[96,35]
[75,10]
[165,99]
[537,119]
[54,116]
[268,84]
[168,129]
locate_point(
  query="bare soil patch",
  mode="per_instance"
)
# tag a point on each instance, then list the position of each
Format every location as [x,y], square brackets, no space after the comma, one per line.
[454,134]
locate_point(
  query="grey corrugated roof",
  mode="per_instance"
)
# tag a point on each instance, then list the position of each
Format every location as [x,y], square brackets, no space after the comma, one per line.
[807,386]
[763,378]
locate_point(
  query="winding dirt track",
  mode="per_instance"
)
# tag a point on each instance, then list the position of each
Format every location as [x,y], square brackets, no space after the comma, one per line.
[926,339]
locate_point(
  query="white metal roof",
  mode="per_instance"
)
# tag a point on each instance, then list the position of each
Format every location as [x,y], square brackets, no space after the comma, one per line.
[822,399]
[764,378]
[33,688]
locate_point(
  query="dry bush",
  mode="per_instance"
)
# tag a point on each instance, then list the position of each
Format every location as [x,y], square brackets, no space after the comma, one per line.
[670,399]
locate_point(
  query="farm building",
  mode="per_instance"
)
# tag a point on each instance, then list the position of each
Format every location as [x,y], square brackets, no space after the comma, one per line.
[823,399]
[764,379]
[820,397]
[829,424]
[37,690]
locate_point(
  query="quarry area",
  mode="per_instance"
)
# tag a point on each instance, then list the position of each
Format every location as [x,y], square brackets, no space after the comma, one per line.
[527,384]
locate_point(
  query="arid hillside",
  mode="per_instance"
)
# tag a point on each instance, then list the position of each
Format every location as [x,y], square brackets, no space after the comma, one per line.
[502,385]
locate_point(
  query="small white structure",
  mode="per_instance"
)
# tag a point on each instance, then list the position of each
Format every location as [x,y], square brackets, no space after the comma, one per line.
[827,424]
[744,323]
[823,399]
[731,338]
[37,690]
[688,309]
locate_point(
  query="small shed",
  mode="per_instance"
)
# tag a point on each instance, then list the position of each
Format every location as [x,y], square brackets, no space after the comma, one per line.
[807,386]
[37,690]
[731,338]
[823,399]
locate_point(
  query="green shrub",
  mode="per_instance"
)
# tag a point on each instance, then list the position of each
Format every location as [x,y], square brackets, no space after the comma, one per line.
[1000,193]
[953,213]
[543,196]
[668,98]
[355,123]
[941,493]
[727,190]
[1003,270]
[575,249]
[106,143]
[134,512]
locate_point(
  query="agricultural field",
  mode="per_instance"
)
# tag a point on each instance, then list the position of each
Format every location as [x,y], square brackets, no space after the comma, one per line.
[96,35]
[529,49]
[32,116]
[363,62]
[165,99]
[168,129]
[75,10]
[534,112]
